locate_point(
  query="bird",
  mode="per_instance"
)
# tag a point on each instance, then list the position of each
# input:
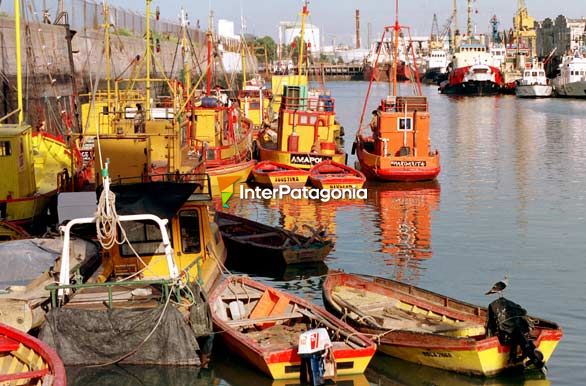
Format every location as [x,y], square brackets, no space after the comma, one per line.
[498,287]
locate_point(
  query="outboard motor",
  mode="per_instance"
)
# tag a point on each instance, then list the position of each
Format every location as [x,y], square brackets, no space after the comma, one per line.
[509,322]
[317,359]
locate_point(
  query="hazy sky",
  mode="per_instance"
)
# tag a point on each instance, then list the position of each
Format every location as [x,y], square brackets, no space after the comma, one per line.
[335,18]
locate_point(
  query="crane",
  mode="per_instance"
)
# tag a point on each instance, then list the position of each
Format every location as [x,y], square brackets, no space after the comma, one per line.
[437,40]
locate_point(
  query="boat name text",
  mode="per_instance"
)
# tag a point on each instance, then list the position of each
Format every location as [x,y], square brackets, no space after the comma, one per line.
[409,163]
[307,159]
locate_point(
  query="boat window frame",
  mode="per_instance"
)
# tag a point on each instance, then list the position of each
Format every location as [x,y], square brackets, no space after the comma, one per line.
[127,252]
[401,120]
[6,148]
[182,246]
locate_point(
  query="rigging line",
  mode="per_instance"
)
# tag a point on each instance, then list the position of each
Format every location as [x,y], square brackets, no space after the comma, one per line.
[194,53]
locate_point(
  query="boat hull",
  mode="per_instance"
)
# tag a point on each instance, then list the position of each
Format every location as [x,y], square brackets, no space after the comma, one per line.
[333,175]
[272,175]
[28,361]
[286,363]
[458,349]
[24,210]
[299,160]
[241,171]
[572,90]
[533,91]
[269,249]
[471,88]
[337,182]
[400,169]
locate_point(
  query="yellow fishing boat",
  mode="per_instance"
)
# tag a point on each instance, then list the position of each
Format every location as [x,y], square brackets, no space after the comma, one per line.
[306,129]
[420,326]
[35,165]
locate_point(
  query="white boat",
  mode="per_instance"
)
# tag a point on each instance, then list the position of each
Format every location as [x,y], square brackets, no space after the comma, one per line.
[534,83]
[571,82]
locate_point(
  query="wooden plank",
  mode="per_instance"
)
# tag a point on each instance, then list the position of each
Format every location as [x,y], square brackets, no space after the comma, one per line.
[246,322]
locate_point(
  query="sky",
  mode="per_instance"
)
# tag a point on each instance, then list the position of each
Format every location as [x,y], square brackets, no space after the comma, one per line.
[335,18]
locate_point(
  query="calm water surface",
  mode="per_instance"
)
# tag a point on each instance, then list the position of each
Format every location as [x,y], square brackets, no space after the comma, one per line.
[511,199]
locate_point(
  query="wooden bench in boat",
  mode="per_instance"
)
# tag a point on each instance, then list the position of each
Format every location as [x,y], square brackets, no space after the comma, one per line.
[246,322]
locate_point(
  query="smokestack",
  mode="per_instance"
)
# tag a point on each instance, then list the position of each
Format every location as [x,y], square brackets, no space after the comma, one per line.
[357,28]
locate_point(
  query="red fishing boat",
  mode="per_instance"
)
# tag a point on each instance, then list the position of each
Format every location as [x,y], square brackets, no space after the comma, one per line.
[25,360]
[399,148]
[263,326]
[274,174]
[333,175]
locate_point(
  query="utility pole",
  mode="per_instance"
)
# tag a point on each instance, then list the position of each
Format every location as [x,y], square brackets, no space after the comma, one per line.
[469,24]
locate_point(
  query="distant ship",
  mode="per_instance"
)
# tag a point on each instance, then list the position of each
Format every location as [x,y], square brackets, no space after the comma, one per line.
[381,72]
[571,82]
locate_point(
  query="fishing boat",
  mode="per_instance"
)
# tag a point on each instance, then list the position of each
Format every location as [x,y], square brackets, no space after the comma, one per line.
[399,148]
[35,164]
[306,129]
[265,244]
[159,261]
[25,360]
[333,175]
[534,83]
[262,325]
[273,174]
[420,326]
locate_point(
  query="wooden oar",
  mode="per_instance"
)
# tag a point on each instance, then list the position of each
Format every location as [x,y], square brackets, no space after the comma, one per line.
[332,326]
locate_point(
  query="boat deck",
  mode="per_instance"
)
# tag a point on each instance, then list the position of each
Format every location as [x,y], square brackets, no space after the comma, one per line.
[97,298]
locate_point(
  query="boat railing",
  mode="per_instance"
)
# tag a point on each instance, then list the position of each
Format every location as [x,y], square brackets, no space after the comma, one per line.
[54,289]
[322,103]
[404,103]
[202,192]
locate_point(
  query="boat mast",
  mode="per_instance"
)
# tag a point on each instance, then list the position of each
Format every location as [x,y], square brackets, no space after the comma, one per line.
[209,60]
[469,26]
[300,61]
[455,24]
[18,62]
[185,46]
[148,59]
[107,52]
[396,29]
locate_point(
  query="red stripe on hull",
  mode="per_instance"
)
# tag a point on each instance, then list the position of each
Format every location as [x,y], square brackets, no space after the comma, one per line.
[402,175]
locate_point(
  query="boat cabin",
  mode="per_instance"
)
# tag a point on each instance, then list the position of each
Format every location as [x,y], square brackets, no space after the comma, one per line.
[401,127]
[18,176]
[255,104]
[221,130]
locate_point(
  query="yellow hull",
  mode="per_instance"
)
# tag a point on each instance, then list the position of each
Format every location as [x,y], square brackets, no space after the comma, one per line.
[27,209]
[359,364]
[51,157]
[357,185]
[241,171]
[299,160]
[485,362]
[294,182]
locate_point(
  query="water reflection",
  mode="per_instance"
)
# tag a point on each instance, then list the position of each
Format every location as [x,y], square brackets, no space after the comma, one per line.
[140,376]
[405,213]
[385,370]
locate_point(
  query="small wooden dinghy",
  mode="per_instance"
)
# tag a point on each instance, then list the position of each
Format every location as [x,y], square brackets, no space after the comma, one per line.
[333,175]
[427,328]
[262,325]
[267,244]
[273,174]
[25,360]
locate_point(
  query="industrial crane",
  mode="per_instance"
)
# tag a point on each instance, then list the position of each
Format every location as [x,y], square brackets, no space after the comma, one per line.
[437,39]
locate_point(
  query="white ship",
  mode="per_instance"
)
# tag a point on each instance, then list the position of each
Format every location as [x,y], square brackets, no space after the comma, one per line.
[571,82]
[534,83]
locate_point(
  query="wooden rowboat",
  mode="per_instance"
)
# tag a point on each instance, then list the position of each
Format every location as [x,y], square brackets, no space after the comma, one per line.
[25,360]
[274,174]
[427,328]
[333,175]
[262,325]
[269,244]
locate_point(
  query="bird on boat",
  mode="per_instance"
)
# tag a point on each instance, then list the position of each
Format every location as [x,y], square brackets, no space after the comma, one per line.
[498,287]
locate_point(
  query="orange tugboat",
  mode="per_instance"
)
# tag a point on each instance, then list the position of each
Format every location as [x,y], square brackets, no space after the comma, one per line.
[333,175]
[273,174]
[399,148]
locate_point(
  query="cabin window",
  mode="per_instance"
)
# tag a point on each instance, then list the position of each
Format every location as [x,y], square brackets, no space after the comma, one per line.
[405,124]
[189,230]
[145,238]
[534,73]
[5,149]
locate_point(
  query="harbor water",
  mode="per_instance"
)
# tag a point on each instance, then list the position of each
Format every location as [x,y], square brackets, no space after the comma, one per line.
[510,200]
